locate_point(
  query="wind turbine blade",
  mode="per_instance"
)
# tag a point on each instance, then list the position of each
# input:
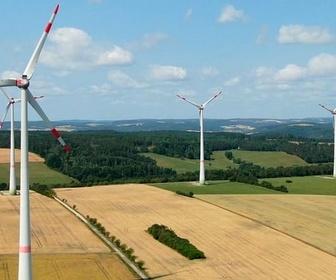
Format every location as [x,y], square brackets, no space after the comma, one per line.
[191,102]
[6,94]
[5,115]
[30,68]
[212,98]
[8,83]
[324,107]
[32,101]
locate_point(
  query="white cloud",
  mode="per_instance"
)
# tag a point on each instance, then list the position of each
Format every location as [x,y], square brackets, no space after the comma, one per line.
[209,71]
[148,41]
[10,75]
[263,72]
[122,80]
[101,89]
[304,34]
[290,73]
[322,64]
[74,49]
[230,14]
[168,73]
[115,56]
[232,82]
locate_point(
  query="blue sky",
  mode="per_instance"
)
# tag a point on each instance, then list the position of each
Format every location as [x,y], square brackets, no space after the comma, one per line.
[113,60]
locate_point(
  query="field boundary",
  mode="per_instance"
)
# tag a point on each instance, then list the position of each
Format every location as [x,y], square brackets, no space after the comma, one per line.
[104,239]
[267,225]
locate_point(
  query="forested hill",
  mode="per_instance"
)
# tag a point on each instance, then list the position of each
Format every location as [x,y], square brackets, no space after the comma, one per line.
[318,128]
[101,157]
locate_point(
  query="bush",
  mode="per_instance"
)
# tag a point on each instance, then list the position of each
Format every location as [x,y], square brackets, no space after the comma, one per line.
[169,238]
[190,194]
[43,189]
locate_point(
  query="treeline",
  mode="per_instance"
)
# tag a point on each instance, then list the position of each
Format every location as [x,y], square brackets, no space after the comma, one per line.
[101,157]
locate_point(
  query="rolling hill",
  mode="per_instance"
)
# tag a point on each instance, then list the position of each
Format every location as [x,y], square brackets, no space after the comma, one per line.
[319,128]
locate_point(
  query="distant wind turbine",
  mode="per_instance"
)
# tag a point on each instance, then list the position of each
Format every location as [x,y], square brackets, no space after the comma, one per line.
[25,259]
[333,112]
[201,108]
[10,105]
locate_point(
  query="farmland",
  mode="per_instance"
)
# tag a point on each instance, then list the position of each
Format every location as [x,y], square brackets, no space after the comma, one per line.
[219,161]
[236,246]
[314,185]
[39,172]
[245,231]
[63,248]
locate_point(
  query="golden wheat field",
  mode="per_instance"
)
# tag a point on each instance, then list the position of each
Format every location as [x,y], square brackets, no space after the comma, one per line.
[4,156]
[236,246]
[62,246]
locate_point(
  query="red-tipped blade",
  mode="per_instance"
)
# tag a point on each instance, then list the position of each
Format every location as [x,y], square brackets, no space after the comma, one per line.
[30,68]
[191,102]
[32,101]
[212,98]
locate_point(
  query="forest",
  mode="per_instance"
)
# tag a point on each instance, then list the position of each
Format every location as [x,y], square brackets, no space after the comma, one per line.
[108,157]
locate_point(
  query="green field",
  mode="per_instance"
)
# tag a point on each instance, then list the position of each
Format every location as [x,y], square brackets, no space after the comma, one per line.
[220,161]
[322,185]
[39,173]
[269,159]
[319,185]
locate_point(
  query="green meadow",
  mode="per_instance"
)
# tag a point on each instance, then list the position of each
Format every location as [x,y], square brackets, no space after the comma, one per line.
[39,173]
[220,161]
[269,159]
[317,185]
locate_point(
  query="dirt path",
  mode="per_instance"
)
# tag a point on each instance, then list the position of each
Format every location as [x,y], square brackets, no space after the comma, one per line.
[235,247]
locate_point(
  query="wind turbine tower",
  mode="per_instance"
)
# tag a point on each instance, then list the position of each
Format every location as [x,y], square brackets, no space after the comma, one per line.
[25,259]
[12,179]
[333,112]
[10,105]
[201,108]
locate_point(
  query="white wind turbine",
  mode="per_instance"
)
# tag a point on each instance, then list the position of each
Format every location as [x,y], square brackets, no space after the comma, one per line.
[333,112]
[201,108]
[25,259]
[11,102]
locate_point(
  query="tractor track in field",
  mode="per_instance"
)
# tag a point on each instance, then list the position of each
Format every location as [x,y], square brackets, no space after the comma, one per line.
[102,269]
[57,270]
[6,270]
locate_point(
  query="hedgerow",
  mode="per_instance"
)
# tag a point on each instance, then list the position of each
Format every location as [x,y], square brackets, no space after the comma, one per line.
[168,237]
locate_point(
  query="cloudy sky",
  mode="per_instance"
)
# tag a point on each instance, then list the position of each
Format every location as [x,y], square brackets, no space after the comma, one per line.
[128,59]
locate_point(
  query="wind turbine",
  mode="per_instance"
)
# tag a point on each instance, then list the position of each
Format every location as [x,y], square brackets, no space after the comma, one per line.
[201,108]
[10,104]
[333,112]
[25,259]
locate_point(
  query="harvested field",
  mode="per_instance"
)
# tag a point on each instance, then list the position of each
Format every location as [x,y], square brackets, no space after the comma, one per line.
[68,266]
[62,246]
[236,247]
[4,156]
[310,218]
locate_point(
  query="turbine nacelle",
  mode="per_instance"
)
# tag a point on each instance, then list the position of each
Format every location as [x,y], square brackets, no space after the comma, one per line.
[22,82]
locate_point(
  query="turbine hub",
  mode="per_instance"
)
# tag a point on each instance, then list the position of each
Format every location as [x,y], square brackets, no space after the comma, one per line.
[22,82]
